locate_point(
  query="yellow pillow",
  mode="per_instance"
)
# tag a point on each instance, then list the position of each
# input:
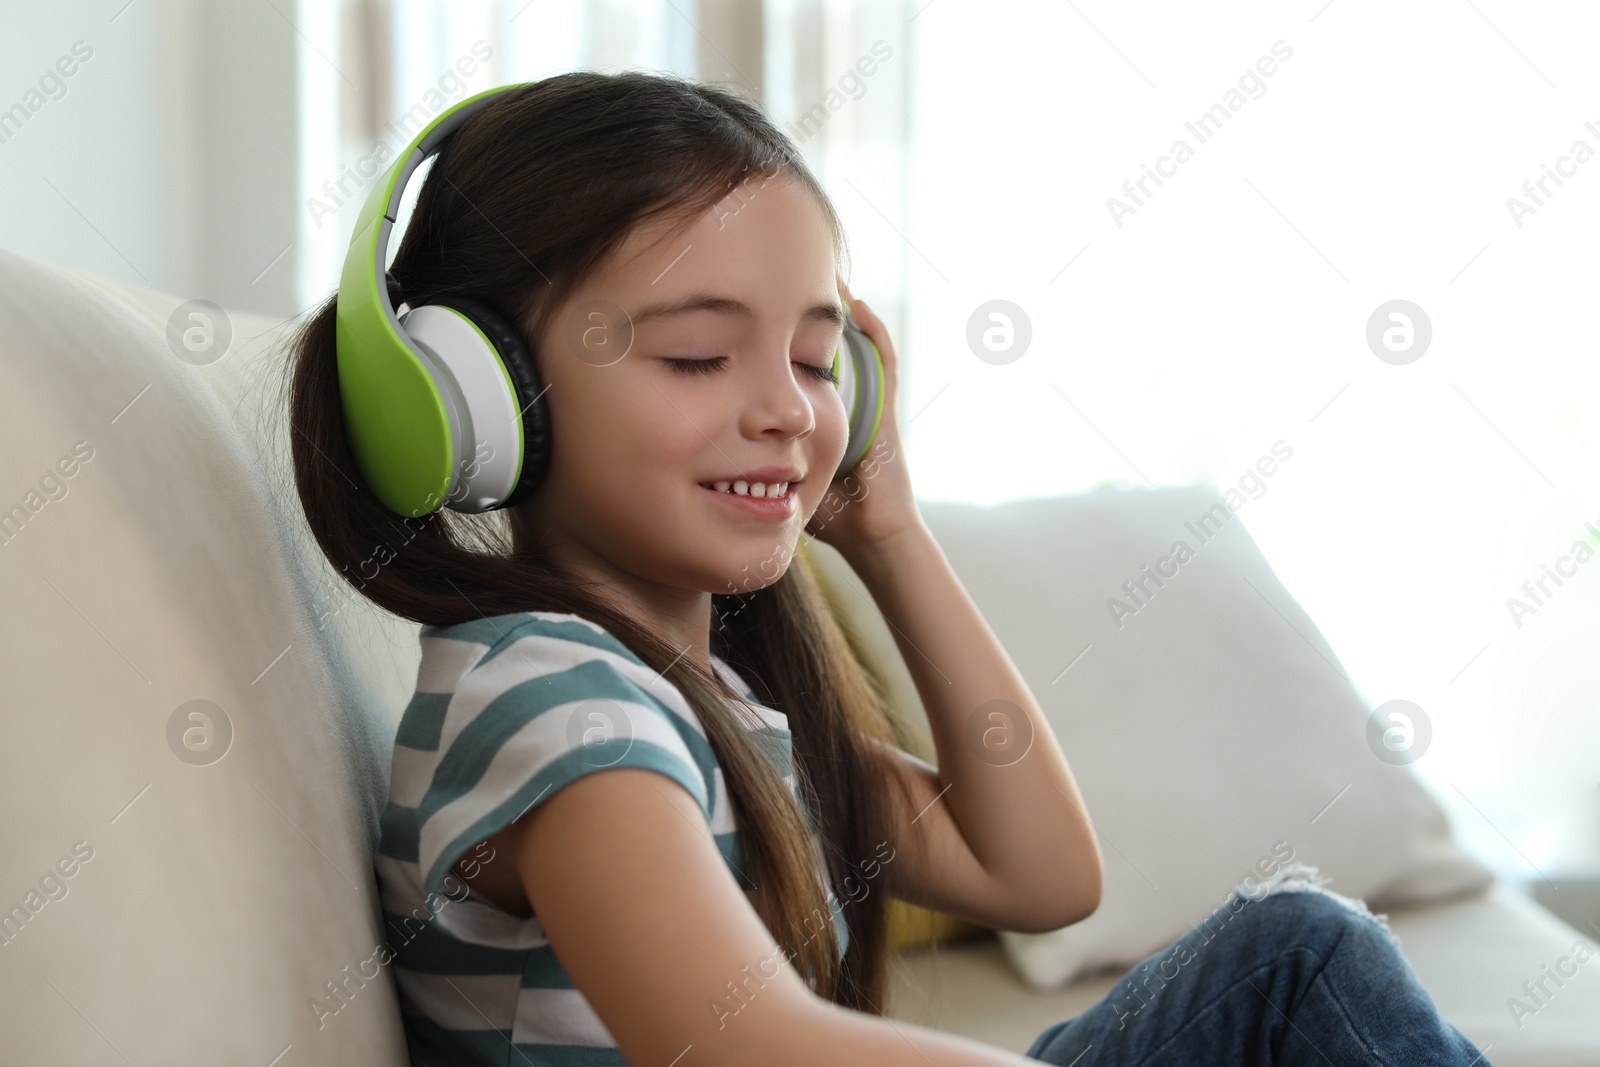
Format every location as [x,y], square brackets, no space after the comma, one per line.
[911,926]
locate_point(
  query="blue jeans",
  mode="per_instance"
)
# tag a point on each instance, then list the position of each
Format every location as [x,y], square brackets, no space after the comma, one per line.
[1292,974]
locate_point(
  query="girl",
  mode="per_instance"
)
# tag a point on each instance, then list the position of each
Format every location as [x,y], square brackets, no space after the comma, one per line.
[718,897]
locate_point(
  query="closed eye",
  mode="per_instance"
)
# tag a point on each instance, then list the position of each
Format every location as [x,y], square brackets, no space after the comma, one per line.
[697,366]
[716,363]
[825,373]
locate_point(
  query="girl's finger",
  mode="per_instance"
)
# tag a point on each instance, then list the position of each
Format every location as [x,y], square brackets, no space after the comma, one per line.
[864,314]
[871,325]
[869,322]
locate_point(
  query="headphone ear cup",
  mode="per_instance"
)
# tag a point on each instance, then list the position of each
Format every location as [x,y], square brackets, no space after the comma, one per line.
[519,365]
[862,385]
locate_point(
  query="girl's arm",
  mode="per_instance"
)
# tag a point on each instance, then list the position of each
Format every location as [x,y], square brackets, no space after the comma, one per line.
[1009,843]
[639,906]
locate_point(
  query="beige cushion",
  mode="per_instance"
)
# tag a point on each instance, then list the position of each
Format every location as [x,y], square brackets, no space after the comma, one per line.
[219,898]
[1210,726]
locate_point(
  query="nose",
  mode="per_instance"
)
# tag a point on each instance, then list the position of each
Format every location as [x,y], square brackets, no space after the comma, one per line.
[778,404]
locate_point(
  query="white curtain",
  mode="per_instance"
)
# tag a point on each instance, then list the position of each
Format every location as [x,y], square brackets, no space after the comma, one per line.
[835,75]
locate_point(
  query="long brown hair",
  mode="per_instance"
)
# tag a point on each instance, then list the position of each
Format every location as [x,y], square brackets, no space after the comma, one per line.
[528,196]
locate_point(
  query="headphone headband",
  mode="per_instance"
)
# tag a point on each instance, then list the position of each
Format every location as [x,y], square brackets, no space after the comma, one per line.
[384,200]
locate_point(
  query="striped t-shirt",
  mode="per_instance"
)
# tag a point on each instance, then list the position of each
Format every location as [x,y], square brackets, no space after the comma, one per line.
[507,710]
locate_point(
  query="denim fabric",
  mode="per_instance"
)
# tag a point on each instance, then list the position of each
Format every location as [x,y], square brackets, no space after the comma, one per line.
[1285,973]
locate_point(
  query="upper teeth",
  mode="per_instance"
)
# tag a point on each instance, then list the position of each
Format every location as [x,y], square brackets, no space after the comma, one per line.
[774,489]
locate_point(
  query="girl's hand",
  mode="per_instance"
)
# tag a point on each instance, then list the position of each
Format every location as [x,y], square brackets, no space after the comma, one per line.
[873,503]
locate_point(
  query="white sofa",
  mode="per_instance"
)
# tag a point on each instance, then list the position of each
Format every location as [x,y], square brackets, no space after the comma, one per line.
[180,908]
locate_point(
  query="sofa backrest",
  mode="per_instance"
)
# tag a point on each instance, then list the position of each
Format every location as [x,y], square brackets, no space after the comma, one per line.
[154,568]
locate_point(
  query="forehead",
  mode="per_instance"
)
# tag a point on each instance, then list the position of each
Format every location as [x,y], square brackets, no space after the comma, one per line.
[767,242]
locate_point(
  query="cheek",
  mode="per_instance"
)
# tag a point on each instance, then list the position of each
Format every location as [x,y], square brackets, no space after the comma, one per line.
[630,427]
[832,436]
[622,454]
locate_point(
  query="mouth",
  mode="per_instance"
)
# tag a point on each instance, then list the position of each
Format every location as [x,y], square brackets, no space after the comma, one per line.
[774,502]
[753,490]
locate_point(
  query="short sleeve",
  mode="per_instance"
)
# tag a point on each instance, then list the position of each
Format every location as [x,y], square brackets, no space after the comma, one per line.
[548,704]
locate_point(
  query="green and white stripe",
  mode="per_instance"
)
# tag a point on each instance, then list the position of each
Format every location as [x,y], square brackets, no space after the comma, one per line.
[486,736]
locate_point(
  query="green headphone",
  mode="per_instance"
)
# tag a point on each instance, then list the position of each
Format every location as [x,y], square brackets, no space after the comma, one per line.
[443,406]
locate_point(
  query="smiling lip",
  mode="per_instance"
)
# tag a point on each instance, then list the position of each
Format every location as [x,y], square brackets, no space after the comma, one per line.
[765,475]
[762,507]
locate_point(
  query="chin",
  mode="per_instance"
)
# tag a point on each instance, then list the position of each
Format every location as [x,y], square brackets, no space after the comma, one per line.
[754,572]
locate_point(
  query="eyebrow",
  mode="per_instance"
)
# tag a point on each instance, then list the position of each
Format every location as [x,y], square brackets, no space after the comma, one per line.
[833,313]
